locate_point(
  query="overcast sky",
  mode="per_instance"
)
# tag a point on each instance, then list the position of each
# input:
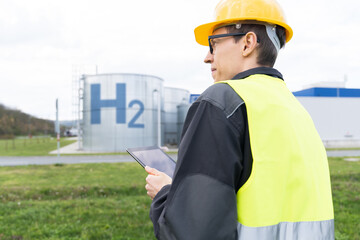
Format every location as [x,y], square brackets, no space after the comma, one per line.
[41,41]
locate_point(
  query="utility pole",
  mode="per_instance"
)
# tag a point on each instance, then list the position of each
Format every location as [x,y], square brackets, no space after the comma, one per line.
[57,128]
[158,117]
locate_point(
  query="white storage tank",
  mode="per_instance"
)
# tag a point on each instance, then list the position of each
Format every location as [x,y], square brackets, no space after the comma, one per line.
[173,98]
[120,111]
[182,111]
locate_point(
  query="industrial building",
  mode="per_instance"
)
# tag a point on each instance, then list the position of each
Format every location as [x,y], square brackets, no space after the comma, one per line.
[122,110]
[130,110]
[335,112]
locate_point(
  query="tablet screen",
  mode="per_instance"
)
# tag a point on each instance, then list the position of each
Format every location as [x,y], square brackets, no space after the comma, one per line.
[153,157]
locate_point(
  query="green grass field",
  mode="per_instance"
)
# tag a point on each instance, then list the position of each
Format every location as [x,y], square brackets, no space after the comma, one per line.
[108,201]
[31,147]
[42,147]
[83,201]
[345,183]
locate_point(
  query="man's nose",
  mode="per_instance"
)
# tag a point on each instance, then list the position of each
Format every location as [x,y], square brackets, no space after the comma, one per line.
[209,58]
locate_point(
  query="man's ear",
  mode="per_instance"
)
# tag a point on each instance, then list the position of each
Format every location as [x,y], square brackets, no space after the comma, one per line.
[250,43]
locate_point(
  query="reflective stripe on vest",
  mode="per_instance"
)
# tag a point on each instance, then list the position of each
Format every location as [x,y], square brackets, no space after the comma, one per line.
[289,230]
[289,183]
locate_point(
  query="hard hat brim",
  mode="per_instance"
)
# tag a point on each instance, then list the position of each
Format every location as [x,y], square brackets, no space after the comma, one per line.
[203,31]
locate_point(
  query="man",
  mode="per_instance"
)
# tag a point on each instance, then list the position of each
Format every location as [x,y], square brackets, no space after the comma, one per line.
[250,164]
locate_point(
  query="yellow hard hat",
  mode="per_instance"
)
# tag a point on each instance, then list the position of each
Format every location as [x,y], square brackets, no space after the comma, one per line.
[229,11]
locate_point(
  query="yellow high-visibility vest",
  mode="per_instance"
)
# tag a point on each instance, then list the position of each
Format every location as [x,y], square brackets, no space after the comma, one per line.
[288,194]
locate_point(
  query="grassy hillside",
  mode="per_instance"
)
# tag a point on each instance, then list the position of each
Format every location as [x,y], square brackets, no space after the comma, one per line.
[16,123]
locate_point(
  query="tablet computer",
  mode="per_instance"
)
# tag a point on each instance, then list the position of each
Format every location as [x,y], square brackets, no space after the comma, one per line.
[153,157]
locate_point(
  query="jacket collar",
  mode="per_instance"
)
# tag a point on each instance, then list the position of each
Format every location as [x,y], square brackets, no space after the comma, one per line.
[259,70]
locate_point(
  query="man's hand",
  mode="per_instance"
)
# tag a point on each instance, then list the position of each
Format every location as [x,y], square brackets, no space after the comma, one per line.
[155,181]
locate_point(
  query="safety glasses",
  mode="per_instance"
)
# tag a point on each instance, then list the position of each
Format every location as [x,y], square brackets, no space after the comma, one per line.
[210,38]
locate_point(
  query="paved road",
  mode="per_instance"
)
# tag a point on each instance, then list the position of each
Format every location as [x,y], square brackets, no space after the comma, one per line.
[344,153]
[48,160]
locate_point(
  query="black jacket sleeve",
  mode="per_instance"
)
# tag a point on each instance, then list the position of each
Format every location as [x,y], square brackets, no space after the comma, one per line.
[201,202]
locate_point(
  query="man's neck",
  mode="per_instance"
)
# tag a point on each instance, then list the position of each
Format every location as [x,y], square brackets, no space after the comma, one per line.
[250,65]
